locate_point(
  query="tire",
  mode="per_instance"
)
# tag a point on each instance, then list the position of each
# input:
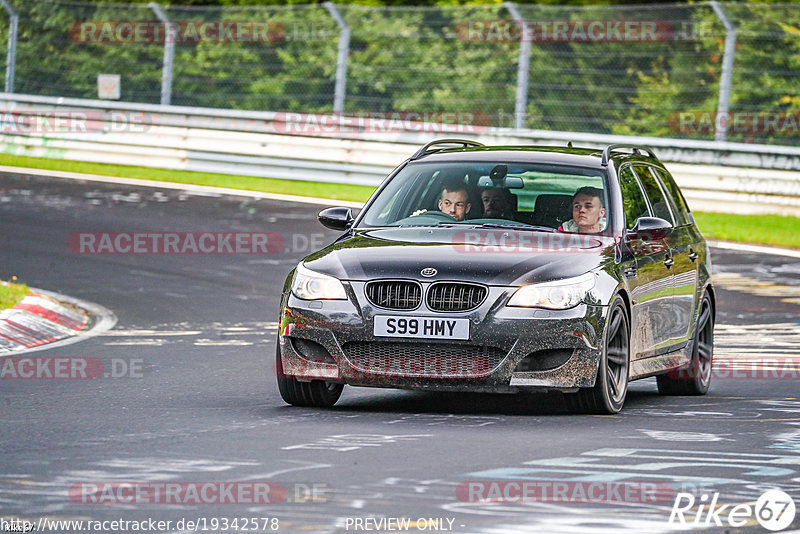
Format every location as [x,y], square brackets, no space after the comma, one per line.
[695,379]
[611,386]
[314,394]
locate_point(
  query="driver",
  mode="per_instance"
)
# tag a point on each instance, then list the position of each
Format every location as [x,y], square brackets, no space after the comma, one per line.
[455,200]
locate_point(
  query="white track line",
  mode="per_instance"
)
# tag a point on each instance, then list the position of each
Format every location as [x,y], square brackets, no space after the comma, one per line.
[741,247]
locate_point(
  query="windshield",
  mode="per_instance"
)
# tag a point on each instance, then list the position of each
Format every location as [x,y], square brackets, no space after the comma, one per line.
[492,194]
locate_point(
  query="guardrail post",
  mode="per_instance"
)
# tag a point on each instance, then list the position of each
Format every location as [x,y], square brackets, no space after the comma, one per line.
[727,70]
[521,105]
[169,53]
[11,58]
[341,57]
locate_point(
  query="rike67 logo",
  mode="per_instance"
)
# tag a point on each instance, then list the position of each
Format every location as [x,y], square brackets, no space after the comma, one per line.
[774,510]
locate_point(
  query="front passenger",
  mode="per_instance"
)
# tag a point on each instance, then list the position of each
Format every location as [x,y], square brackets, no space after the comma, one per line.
[588,212]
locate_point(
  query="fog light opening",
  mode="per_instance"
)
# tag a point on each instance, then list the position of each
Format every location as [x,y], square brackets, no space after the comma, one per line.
[312,351]
[544,360]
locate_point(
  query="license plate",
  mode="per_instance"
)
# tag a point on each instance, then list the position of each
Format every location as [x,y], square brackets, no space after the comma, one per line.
[421,327]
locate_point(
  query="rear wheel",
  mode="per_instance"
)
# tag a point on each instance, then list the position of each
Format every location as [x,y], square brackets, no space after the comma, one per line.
[316,394]
[611,386]
[696,379]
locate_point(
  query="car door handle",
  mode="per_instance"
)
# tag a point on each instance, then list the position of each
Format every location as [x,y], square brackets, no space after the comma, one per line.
[669,262]
[693,255]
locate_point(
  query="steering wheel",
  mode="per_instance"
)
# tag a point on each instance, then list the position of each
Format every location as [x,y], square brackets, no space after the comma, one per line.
[438,215]
[425,218]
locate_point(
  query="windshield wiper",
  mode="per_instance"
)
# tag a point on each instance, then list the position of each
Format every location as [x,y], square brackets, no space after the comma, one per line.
[456,225]
[525,227]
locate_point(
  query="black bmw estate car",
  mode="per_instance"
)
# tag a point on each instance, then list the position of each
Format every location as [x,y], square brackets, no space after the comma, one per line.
[506,269]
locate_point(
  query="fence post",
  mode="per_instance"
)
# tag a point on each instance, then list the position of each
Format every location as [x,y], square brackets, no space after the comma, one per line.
[341,57]
[169,53]
[11,58]
[727,70]
[520,107]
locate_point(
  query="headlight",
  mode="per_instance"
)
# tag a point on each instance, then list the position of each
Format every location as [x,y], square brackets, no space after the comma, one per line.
[308,285]
[558,295]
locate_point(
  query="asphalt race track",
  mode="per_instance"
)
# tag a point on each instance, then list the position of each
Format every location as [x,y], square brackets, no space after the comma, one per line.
[193,400]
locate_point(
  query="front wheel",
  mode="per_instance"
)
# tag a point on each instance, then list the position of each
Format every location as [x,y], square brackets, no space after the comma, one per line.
[611,385]
[697,378]
[315,394]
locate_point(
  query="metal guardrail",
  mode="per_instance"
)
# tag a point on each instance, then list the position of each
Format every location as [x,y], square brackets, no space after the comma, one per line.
[728,177]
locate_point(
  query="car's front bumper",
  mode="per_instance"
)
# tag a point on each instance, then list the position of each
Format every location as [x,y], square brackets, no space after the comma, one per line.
[565,346]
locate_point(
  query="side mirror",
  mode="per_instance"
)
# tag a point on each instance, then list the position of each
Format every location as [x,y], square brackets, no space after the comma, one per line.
[649,224]
[649,229]
[336,218]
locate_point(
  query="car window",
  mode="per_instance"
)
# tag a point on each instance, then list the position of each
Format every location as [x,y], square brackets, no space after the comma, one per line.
[633,201]
[523,193]
[678,202]
[654,193]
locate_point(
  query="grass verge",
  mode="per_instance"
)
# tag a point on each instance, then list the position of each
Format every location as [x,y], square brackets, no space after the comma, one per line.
[775,230]
[759,229]
[11,294]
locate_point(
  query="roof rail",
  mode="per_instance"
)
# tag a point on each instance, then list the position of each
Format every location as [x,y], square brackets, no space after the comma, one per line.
[636,148]
[428,149]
